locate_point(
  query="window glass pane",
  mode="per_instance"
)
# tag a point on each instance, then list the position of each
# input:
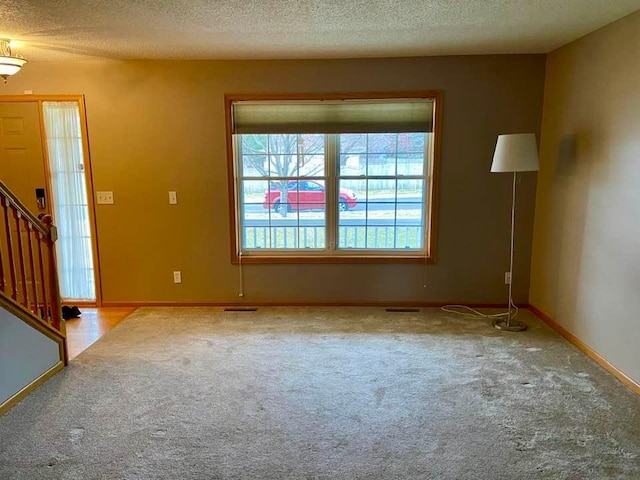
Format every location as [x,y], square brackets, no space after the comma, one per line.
[282,155]
[253,214]
[305,216]
[310,158]
[353,143]
[352,213]
[283,165]
[411,212]
[411,190]
[311,144]
[285,215]
[388,213]
[381,190]
[255,149]
[253,192]
[355,187]
[254,144]
[408,237]
[410,164]
[353,154]
[255,166]
[352,236]
[411,142]
[312,235]
[311,166]
[382,142]
[381,165]
[70,202]
[369,222]
[353,164]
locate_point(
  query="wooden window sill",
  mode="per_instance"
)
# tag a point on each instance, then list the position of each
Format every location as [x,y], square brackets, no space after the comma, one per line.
[281,259]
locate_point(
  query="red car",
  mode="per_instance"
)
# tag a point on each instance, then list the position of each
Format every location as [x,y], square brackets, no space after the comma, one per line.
[306,195]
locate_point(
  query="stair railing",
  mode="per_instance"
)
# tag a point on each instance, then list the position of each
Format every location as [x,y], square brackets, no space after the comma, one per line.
[28,274]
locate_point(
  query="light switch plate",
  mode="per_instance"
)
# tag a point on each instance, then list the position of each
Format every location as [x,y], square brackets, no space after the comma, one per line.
[173,198]
[177,276]
[104,198]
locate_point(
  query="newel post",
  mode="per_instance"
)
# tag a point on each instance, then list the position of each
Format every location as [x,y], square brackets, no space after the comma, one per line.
[52,274]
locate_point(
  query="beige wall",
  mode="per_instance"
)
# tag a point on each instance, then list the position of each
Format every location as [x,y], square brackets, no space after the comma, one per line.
[158,126]
[586,255]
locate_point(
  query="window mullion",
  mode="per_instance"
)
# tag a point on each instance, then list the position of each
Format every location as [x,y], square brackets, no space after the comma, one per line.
[238,194]
[426,193]
[331,196]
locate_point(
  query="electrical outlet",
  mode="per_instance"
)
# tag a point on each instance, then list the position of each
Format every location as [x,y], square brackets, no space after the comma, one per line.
[104,198]
[507,278]
[173,198]
[177,277]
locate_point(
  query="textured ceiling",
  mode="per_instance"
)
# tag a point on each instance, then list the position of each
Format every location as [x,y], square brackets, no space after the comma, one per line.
[270,29]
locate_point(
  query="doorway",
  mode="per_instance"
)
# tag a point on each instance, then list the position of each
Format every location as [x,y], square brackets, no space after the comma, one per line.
[45,160]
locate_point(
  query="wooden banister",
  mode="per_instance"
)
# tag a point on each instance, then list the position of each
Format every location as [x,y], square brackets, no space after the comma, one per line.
[32,267]
[8,194]
[9,247]
[17,216]
[20,234]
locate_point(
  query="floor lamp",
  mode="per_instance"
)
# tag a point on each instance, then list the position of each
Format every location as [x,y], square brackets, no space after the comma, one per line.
[514,153]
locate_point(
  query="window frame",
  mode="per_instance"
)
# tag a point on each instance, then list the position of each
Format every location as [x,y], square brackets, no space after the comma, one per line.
[426,255]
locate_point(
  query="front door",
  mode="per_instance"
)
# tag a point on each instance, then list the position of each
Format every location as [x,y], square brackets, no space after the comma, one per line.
[21,161]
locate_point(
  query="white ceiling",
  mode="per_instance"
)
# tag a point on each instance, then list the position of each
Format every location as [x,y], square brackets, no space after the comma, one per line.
[270,29]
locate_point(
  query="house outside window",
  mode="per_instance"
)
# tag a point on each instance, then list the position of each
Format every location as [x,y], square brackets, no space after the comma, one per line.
[333,178]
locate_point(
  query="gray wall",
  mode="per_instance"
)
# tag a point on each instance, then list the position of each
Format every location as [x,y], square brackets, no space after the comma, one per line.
[25,354]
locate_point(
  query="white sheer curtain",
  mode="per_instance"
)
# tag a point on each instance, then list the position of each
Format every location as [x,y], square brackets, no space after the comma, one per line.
[70,205]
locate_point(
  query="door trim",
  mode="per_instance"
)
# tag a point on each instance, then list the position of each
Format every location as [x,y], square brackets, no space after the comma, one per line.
[80,100]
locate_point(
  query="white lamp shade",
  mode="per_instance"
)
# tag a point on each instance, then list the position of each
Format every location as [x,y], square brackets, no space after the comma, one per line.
[516,152]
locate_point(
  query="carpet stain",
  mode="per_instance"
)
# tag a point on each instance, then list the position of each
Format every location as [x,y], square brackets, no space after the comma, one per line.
[380,394]
[356,418]
[343,442]
[585,440]
[76,434]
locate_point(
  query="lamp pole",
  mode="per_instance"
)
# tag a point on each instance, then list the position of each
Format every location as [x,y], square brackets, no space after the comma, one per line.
[510,324]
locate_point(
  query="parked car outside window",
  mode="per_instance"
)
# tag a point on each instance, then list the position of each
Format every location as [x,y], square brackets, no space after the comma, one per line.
[305,195]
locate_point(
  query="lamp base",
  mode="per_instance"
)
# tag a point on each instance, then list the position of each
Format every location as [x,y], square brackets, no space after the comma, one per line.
[512,326]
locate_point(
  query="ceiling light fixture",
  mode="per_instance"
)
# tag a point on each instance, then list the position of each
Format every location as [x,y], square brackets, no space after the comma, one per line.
[9,64]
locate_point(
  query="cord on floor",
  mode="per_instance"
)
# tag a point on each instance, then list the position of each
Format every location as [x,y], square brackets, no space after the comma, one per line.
[472,312]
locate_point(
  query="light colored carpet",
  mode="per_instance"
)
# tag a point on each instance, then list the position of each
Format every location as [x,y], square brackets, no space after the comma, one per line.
[324,393]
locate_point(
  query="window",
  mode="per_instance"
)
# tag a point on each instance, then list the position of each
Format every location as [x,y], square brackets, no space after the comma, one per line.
[333,178]
[75,260]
